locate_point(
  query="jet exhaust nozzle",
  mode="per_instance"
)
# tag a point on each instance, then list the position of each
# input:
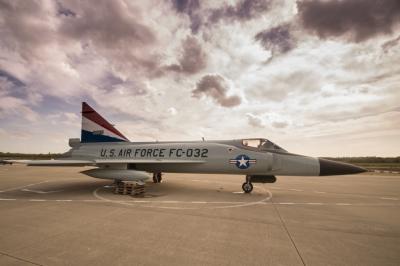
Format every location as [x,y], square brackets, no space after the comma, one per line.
[328,167]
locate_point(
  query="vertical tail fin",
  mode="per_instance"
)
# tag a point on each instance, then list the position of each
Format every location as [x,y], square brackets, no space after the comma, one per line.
[96,129]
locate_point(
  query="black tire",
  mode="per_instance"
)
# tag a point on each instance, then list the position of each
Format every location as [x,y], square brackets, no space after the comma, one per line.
[247,187]
[159,177]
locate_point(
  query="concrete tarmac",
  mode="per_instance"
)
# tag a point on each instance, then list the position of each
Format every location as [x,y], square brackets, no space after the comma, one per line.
[57,216]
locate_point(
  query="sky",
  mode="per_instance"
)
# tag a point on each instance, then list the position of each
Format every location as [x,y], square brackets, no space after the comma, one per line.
[319,78]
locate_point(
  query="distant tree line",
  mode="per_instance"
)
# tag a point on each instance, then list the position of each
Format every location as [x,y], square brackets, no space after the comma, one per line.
[44,156]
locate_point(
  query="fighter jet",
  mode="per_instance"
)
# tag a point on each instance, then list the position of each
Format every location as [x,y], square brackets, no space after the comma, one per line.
[114,157]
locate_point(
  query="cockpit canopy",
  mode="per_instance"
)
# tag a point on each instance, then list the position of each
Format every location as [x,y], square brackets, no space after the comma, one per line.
[261,144]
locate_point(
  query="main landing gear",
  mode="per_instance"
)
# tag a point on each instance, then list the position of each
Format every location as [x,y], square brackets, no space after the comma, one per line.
[247,186]
[157,177]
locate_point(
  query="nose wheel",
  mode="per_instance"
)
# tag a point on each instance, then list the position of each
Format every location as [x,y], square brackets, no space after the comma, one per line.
[247,186]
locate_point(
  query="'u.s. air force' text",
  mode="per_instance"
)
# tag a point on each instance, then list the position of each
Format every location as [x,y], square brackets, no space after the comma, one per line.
[153,153]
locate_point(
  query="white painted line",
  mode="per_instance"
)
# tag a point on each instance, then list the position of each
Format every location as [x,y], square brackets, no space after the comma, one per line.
[285,203]
[68,200]
[29,185]
[37,200]
[315,203]
[40,191]
[343,204]
[199,202]
[238,192]
[320,192]
[388,198]
[8,199]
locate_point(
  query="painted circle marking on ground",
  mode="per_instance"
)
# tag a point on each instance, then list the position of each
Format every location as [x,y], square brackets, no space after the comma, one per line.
[204,204]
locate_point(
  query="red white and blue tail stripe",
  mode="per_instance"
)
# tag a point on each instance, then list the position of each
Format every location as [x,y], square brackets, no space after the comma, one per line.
[96,129]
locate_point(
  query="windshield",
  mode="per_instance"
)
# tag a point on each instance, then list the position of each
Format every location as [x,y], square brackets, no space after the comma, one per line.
[260,144]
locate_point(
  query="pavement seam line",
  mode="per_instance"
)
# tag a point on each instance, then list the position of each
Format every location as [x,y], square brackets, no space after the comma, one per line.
[20,259]
[288,233]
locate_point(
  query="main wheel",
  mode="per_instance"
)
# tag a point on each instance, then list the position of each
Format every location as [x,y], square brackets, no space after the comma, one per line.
[157,177]
[247,187]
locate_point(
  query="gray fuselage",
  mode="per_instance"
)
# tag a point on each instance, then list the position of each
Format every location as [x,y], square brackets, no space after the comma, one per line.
[219,157]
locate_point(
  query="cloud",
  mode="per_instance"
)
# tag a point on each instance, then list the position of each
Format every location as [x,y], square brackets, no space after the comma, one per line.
[114,29]
[69,119]
[390,44]
[172,111]
[193,58]
[63,11]
[14,107]
[26,27]
[242,11]
[191,8]
[278,39]
[108,23]
[356,20]
[67,29]
[276,87]
[255,121]
[12,79]
[281,124]
[216,87]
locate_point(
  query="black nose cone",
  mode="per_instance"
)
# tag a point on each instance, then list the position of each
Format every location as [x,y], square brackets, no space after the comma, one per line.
[328,167]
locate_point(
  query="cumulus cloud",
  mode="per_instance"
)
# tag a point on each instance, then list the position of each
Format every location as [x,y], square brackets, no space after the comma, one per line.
[255,121]
[216,87]
[193,58]
[243,10]
[357,20]
[190,8]
[277,39]
[114,29]
[110,24]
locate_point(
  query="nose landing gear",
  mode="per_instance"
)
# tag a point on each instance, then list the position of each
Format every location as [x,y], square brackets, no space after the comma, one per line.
[247,186]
